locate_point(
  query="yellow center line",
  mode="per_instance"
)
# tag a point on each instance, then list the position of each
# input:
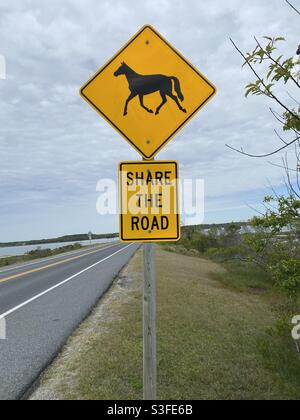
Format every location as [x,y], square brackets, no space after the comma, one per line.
[35,270]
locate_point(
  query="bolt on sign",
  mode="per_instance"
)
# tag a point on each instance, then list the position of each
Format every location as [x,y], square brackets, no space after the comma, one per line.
[148,91]
[149,208]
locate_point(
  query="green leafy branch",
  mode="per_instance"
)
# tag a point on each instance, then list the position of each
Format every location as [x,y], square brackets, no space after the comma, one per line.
[279,70]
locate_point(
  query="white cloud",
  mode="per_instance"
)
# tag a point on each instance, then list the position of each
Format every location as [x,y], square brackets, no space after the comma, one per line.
[54,148]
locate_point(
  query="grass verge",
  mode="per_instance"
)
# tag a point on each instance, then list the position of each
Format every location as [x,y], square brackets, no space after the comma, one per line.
[212,341]
[38,254]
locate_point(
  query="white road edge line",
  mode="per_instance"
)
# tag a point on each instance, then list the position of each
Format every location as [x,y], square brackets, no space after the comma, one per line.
[60,284]
[56,257]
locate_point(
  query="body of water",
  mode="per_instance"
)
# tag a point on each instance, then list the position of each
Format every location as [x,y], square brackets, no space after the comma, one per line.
[21,250]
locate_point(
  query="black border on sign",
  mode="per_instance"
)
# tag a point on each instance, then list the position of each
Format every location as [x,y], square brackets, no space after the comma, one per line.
[172,239]
[115,126]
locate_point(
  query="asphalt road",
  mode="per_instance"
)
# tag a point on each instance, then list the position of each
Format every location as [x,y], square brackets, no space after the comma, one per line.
[43,302]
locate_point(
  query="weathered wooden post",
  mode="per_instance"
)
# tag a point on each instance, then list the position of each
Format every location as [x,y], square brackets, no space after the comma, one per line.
[150,369]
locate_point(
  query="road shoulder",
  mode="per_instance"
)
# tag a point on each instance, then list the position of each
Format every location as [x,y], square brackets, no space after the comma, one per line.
[63,377]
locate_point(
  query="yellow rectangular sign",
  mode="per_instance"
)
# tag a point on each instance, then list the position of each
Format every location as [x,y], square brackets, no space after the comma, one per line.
[148,91]
[149,202]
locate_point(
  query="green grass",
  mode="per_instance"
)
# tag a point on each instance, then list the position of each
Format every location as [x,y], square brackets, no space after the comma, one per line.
[242,276]
[215,351]
[212,340]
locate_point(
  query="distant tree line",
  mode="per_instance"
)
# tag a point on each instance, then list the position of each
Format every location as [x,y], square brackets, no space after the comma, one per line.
[67,238]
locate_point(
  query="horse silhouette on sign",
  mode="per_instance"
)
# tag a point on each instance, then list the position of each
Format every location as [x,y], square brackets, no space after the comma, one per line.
[145,85]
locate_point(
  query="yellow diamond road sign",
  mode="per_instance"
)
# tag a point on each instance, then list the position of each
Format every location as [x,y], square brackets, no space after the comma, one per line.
[149,209]
[148,91]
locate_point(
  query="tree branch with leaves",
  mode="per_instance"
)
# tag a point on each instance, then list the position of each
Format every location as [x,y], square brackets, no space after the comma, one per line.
[280,70]
[274,242]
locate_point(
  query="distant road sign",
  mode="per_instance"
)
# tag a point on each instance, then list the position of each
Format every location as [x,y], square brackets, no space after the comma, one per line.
[148,91]
[149,209]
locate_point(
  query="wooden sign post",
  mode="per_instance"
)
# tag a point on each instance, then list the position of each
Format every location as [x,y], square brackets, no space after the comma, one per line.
[149,321]
[148,92]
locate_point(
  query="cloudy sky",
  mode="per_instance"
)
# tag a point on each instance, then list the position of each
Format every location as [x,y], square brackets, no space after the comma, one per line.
[54,148]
